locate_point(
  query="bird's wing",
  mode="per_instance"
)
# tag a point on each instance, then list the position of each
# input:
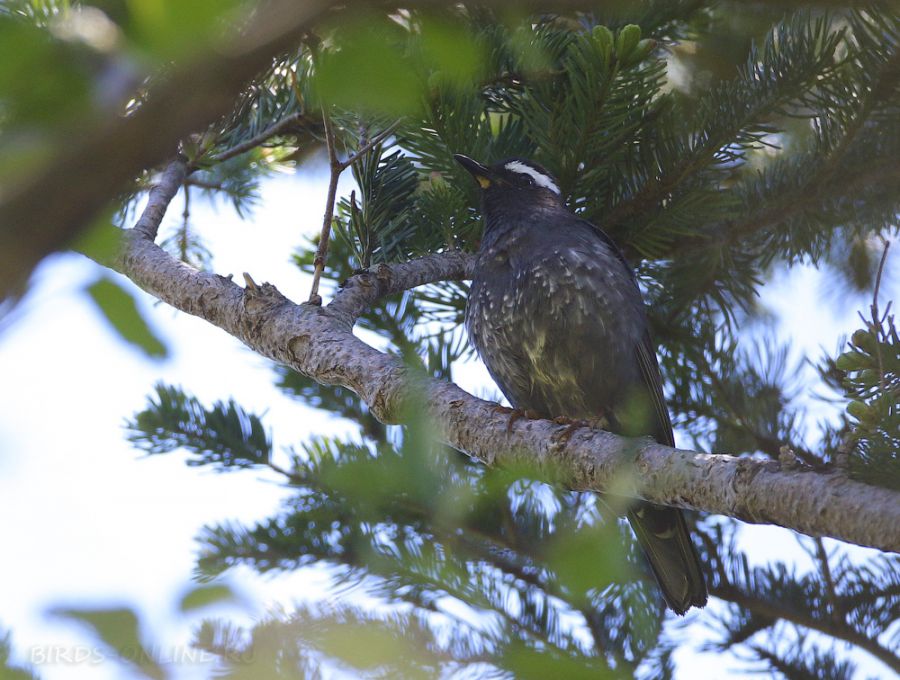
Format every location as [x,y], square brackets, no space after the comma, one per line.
[597,231]
[646,357]
[662,531]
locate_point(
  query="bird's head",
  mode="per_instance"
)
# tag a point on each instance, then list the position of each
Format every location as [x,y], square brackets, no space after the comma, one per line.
[515,181]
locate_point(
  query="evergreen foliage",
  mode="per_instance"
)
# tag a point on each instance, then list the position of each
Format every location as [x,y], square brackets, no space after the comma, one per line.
[786,161]
[709,179]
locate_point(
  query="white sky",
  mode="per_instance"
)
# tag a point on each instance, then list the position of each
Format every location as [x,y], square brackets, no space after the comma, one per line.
[88,522]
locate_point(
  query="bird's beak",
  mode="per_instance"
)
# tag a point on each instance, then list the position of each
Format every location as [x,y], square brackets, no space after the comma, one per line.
[481,173]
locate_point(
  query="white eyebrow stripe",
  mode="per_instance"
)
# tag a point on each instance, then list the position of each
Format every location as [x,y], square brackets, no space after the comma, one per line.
[539,178]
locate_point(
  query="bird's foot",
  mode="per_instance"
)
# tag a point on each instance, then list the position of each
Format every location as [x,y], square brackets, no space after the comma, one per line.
[572,425]
[514,415]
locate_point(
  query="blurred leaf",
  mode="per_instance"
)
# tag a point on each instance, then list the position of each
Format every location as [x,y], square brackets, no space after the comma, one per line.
[42,80]
[452,51]
[528,663]
[589,558]
[368,70]
[169,28]
[366,647]
[117,629]
[100,243]
[121,311]
[205,595]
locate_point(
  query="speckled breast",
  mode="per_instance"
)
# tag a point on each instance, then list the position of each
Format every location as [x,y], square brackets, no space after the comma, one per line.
[557,331]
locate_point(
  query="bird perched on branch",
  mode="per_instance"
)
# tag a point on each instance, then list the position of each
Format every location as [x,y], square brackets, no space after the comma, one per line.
[556,314]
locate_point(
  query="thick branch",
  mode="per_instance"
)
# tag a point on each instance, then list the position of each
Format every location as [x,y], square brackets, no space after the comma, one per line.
[319,343]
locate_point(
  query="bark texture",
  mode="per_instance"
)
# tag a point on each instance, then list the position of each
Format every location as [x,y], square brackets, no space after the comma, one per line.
[319,342]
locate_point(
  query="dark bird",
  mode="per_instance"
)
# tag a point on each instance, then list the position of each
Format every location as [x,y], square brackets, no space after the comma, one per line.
[556,315]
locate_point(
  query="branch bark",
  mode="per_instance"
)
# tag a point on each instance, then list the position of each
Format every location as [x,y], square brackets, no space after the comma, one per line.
[319,342]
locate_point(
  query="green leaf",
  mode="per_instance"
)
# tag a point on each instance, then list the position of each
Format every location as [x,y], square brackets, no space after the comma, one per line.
[627,41]
[169,28]
[100,243]
[589,558]
[120,310]
[117,628]
[42,80]
[452,51]
[367,71]
[205,596]
[865,341]
[527,662]
[853,361]
[862,411]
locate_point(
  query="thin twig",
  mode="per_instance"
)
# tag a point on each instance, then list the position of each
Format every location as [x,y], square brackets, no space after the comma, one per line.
[828,578]
[877,323]
[185,218]
[287,474]
[887,244]
[274,129]
[336,168]
[200,184]
[377,139]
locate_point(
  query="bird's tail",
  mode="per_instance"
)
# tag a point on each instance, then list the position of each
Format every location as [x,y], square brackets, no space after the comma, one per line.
[663,535]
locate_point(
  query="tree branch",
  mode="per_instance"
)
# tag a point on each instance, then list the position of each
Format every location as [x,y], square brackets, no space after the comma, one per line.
[368,146]
[286,124]
[335,168]
[835,628]
[318,342]
[160,195]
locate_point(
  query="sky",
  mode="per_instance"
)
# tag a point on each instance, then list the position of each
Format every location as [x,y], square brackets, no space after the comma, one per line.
[89,521]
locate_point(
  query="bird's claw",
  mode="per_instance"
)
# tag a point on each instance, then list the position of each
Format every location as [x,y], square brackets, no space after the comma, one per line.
[573,424]
[514,415]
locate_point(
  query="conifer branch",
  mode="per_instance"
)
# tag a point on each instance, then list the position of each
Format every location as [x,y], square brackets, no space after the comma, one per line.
[284,125]
[369,145]
[791,203]
[755,96]
[318,342]
[834,628]
[823,183]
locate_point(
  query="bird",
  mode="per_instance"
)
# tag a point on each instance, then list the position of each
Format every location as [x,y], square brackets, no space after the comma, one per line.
[556,315]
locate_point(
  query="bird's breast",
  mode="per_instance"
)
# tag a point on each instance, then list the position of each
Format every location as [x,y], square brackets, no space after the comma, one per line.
[550,328]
